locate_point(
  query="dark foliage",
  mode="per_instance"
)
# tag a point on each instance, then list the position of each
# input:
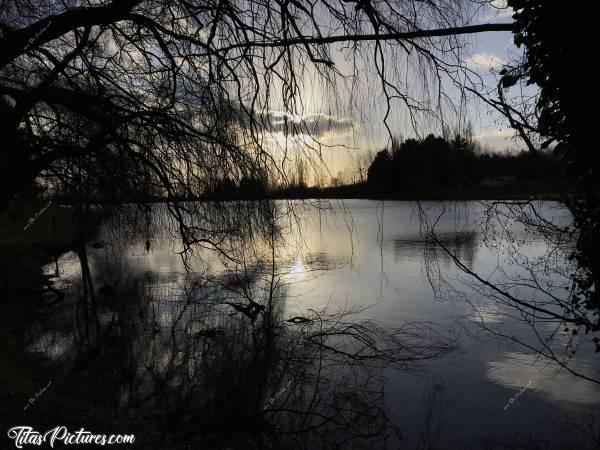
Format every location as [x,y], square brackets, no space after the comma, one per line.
[434,163]
[247,189]
[561,45]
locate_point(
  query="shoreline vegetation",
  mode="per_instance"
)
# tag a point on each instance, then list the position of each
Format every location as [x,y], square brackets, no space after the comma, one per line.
[433,168]
[520,191]
[516,190]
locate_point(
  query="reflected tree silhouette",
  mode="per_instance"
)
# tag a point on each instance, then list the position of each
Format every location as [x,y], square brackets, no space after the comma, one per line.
[212,358]
[537,289]
[559,115]
[463,244]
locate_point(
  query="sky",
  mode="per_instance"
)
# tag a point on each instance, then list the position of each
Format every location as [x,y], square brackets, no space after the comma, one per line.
[490,52]
[348,120]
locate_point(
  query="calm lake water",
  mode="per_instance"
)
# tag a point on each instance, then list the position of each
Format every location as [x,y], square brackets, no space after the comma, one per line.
[375,338]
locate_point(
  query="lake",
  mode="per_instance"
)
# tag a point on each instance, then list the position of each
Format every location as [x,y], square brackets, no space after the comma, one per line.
[348,325]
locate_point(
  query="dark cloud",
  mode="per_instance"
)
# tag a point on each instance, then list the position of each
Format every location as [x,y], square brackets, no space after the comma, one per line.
[317,125]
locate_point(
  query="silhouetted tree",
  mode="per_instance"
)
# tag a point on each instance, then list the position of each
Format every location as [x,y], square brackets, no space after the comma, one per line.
[252,188]
[567,112]
[183,88]
[419,167]
[378,173]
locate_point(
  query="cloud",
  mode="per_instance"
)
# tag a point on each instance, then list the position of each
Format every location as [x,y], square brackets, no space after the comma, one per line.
[502,7]
[501,139]
[498,9]
[517,370]
[480,61]
[315,124]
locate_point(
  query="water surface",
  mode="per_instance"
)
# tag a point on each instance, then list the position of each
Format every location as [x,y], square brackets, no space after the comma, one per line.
[348,328]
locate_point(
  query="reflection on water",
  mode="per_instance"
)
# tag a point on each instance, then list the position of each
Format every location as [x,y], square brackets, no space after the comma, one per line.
[463,244]
[323,334]
[519,369]
[206,360]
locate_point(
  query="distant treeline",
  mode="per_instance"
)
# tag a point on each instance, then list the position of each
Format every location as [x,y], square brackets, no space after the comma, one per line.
[434,164]
[430,168]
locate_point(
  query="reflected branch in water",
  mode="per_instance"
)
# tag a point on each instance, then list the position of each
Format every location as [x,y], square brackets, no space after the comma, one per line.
[213,359]
[532,281]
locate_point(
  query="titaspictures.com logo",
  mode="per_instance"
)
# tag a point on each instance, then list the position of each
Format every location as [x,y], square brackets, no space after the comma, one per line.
[23,435]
